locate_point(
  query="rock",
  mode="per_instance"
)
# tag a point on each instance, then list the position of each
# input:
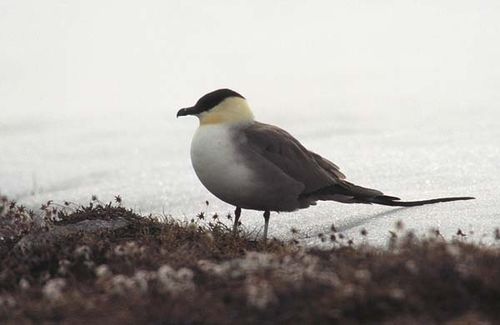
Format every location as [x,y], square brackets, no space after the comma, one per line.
[56,233]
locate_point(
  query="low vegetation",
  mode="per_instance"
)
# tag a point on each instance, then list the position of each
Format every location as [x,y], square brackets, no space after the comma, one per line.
[102,263]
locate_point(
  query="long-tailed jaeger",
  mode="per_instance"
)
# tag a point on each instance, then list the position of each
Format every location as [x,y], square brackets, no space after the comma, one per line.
[258,166]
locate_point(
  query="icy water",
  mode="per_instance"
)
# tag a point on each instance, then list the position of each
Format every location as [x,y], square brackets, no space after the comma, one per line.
[403,96]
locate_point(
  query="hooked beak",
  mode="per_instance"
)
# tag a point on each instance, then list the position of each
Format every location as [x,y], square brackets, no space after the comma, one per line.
[187,111]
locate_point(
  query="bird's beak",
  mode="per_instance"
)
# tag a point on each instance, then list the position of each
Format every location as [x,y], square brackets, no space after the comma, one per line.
[187,111]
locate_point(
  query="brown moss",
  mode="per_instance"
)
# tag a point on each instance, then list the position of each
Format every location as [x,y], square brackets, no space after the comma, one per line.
[152,271]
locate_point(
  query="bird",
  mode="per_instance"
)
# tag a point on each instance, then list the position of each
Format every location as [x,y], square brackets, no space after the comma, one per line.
[257,166]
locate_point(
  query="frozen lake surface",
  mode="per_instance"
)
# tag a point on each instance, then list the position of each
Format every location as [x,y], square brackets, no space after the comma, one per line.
[403,96]
[144,157]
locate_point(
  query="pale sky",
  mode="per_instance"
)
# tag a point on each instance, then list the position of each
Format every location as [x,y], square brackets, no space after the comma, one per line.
[80,56]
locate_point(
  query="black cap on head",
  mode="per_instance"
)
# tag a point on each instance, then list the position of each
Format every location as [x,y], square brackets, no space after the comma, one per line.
[209,101]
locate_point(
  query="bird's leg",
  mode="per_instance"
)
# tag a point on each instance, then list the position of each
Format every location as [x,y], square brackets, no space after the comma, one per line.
[267,214]
[237,214]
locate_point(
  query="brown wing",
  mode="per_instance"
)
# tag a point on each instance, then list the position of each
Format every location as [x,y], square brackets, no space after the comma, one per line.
[288,154]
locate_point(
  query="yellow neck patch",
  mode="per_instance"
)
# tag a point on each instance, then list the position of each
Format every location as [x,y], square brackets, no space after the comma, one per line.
[230,110]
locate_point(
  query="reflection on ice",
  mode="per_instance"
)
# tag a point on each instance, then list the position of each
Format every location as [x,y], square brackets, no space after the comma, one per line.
[145,159]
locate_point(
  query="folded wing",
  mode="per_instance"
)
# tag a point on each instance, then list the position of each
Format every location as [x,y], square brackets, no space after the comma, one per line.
[289,155]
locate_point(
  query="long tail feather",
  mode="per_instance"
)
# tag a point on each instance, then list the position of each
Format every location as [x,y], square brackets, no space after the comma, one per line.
[347,192]
[390,201]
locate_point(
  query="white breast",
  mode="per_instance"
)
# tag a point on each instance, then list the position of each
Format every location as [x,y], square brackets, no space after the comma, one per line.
[218,165]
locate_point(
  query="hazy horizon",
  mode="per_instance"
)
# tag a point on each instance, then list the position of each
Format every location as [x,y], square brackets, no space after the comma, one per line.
[63,57]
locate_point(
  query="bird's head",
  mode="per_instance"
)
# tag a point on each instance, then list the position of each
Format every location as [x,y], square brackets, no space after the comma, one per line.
[220,106]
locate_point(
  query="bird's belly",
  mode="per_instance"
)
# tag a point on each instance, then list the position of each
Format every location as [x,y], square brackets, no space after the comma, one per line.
[219,167]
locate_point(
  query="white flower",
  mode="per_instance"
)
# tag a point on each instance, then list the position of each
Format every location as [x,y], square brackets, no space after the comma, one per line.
[24,284]
[103,271]
[53,289]
[175,282]
[129,248]
[121,284]
[185,274]
[142,279]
